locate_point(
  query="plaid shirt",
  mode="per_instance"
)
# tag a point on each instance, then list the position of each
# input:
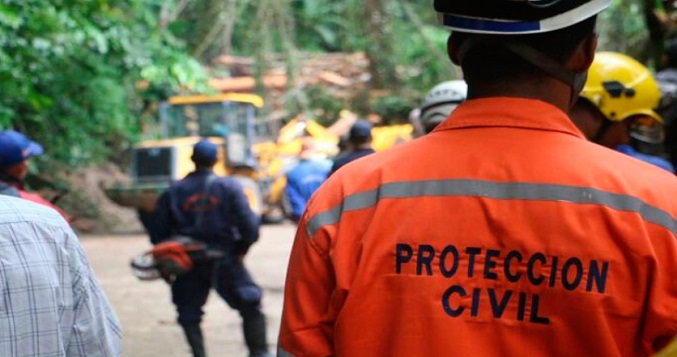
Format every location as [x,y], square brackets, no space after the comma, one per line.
[51,304]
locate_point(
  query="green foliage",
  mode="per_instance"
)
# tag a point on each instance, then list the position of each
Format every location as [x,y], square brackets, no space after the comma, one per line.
[622,28]
[84,76]
[325,107]
[393,109]
[318,24]
[405,45]
[401,37]
[69,69]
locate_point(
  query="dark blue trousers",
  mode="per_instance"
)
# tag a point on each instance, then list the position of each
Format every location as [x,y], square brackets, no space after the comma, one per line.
[228,277]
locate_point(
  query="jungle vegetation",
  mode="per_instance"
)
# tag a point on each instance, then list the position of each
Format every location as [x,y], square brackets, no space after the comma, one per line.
[83,77]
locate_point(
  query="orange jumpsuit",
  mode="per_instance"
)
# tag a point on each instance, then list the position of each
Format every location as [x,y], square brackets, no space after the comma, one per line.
[502,233]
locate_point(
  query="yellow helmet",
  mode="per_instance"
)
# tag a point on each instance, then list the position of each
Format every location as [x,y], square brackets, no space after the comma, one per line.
[621,87]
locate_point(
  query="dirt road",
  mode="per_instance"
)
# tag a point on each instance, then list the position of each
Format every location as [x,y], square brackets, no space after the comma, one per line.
[147,314]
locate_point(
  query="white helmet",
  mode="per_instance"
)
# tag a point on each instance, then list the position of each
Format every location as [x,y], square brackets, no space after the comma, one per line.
[519,17]
[512,17]
[440,101]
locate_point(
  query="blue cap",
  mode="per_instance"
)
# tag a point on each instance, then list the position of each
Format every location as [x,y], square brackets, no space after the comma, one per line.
[205,152]
[16,147]
[360,130]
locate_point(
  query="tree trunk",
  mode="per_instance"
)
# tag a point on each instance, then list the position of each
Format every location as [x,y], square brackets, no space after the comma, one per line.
[231,14]
[655,17]
[380,54]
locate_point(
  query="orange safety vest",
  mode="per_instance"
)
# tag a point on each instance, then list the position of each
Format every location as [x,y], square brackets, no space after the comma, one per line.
[502,233]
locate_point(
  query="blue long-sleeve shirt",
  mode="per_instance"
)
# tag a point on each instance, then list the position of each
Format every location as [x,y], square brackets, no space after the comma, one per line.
[227,220]
[342,160]
[302,181]
[655,160]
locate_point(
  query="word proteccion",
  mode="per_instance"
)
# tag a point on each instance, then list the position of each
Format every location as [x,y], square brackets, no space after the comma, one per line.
[538,269]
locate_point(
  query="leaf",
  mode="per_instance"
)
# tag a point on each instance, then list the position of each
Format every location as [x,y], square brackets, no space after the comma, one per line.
[39,102]
[9,17]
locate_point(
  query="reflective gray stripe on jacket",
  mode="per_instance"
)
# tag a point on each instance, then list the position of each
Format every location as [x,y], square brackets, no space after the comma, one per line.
[493,190]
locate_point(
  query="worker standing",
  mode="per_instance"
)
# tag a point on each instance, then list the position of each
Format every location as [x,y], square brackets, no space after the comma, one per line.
[304,179]
[213,210]
[438,103]
[617,106]
[16,149]
[359,140]
[504,232]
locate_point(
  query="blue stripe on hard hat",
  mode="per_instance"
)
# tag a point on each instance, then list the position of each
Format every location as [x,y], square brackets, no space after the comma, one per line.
[483,25]
[506,27]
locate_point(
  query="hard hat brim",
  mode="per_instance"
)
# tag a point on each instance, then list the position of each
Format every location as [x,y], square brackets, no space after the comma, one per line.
[497,26]
[648,112]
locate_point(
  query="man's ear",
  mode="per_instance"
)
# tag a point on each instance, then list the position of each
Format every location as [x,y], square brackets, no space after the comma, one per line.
[584,54]
[452,51]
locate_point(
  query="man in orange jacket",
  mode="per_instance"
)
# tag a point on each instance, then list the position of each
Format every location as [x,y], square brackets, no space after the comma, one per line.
[501,233]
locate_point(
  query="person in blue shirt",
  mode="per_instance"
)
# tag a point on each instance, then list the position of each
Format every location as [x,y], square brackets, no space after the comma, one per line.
[652,159]
[646,143]
[213,210]
[359,139]
[304,179]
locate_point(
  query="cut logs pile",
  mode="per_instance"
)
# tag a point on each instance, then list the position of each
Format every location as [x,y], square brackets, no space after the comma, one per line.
[342,75]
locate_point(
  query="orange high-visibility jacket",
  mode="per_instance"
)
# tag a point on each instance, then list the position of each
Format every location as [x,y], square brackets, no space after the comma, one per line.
[502,233]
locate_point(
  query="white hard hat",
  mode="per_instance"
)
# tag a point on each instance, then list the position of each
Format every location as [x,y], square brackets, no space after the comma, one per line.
[512,17]
[440,101]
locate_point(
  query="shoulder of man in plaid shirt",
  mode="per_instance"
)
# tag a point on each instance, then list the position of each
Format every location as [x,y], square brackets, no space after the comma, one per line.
[51,303]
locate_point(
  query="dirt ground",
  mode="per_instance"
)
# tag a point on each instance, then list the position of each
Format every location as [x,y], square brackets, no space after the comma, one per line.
[145,309]
[112,235]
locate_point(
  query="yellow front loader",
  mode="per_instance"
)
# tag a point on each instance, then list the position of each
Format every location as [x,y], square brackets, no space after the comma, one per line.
[247,152]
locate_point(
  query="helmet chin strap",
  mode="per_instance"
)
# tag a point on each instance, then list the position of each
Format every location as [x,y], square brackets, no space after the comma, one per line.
[575,81]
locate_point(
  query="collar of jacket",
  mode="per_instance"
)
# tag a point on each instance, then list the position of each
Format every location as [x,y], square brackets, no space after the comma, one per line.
[203,172]
[510,112]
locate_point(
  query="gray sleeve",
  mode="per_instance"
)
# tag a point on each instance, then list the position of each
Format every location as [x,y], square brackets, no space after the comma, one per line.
[96,328]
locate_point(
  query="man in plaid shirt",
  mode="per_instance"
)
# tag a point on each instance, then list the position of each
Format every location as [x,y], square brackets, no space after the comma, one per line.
[51,304]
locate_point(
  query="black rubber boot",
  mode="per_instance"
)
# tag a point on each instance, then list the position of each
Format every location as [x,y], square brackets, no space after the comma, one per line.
[254,328]
[195,340]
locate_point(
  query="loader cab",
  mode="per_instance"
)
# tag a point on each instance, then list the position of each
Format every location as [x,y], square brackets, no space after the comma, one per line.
[228,116]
